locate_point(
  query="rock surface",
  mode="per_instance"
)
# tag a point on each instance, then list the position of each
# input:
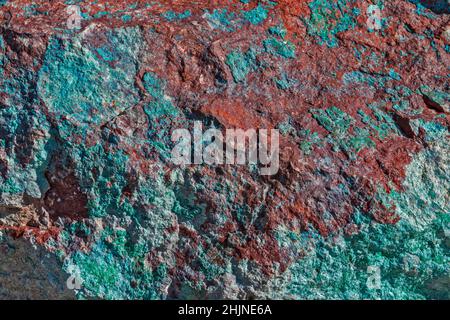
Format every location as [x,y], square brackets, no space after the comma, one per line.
[90,92]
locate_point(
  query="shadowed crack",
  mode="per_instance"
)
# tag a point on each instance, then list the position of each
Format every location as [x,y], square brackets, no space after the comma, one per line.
[437,6]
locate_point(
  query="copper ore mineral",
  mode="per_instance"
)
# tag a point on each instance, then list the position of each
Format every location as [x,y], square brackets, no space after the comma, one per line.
[91,205]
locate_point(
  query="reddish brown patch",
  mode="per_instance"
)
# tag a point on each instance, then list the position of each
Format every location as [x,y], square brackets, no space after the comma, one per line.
[41,236]
[65,198]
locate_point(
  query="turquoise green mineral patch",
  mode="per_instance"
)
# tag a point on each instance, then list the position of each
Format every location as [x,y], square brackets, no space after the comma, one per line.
[160,112]
[127,18]
[108,271]
[381,124]
[437,99]
[286,49]
[338,124]
[115,266]
[18,119]
[256,15]
[412,256]
[367,78]
[434,131]
[221,19]
[173,16]
[241,63]
[78,83]
[408,266]
[284,82]
[328,18]
[309,140]
[108,170]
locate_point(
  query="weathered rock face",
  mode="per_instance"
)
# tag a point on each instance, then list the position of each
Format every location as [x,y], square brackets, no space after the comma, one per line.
[88,103]
[30,272]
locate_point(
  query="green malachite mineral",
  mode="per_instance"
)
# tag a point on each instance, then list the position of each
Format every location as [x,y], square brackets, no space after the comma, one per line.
[92,205]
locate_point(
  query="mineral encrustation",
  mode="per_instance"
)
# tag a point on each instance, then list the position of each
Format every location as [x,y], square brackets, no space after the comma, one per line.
[92,207]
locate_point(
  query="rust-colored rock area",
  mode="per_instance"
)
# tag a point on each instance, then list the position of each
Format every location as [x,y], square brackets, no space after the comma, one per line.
[91,93]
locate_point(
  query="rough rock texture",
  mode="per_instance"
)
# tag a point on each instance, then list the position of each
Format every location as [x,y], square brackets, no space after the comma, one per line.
[86,182]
